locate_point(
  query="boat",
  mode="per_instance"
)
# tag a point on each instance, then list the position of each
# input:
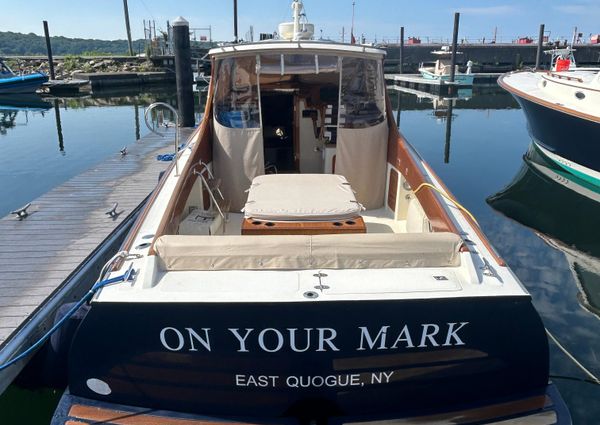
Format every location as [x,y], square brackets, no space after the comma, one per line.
[442,68]
[561,106]
[561,209]
[11,105]
[300,262]
[30,102]
[11,83]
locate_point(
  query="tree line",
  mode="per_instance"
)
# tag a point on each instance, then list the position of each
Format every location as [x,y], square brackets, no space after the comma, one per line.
[14,43]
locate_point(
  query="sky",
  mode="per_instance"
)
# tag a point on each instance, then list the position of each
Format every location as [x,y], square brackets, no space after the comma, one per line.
[377,19]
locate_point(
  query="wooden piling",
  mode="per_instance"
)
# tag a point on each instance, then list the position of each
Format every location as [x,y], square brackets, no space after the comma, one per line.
[454,43]
[540,45]
[401,56]
[127,27]
[183,71]
[49,49]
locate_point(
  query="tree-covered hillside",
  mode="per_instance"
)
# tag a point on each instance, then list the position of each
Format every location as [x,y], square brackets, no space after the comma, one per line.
[13,43]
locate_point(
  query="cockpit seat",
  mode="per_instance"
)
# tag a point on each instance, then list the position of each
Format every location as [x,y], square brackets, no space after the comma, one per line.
[301,197]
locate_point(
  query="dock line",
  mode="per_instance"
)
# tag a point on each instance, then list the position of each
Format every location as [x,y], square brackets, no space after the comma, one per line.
[88,296]
[573,359]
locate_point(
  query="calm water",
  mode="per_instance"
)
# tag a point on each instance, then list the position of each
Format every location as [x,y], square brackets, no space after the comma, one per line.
[483,162]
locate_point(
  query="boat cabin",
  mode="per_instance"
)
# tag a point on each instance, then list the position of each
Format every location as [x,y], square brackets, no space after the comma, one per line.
[298,140]
[441,68]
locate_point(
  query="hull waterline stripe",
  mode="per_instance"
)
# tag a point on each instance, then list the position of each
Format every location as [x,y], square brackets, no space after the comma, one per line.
[585,173]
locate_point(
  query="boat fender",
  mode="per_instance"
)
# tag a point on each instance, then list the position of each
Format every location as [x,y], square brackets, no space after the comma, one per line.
[48,367]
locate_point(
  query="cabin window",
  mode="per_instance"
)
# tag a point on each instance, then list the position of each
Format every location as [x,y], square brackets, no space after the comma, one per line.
[292,64]
[299,64]
[362,97]
[236,93]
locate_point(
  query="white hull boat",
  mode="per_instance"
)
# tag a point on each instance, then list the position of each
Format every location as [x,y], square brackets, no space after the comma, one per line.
[306,264]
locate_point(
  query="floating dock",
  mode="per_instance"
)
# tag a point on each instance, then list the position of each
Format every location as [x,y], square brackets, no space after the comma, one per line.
[54,255]
[103,80]
[66,87]
[417,82]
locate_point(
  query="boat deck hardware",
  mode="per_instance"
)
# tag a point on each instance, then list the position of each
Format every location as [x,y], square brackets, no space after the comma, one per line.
[22,213]
[487,269]
[213,187]
[123,151]
[320,286]
[113,211]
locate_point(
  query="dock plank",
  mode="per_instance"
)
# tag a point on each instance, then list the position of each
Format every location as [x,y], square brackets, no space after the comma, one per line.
[66,225]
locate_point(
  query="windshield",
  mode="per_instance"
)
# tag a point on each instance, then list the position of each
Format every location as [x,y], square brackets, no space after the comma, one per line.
[358,81]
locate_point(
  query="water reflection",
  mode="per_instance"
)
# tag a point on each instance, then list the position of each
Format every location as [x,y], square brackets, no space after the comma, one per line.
[12,105]
[442,108]
[61,144]
[564,211]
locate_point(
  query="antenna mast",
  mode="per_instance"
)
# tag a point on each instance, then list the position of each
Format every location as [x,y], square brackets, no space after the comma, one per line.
[352,39]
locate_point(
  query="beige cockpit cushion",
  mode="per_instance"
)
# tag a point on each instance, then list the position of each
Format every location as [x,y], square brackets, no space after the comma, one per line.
[301,197]
[298,252]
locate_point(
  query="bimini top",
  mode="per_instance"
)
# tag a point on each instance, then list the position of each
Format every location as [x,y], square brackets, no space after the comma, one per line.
[307,45]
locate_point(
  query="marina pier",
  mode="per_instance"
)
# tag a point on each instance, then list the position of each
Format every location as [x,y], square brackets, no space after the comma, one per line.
[53,255]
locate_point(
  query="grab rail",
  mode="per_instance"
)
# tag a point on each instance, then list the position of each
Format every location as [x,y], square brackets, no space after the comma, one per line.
[151,128]
[565,77]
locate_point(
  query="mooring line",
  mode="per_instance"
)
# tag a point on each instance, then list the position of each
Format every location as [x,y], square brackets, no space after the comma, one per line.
[87,297]
[570,356]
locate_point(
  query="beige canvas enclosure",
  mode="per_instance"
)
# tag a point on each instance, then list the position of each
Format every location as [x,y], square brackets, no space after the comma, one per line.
[361,136]
[361,158]
[238,158]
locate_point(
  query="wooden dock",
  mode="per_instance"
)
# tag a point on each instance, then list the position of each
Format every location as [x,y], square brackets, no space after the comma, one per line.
[45,256]
[65,87]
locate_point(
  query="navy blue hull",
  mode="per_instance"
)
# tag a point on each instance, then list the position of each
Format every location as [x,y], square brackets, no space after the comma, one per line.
[186,356]
[570,137]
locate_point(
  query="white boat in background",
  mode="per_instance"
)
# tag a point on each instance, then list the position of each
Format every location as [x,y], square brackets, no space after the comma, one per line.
[307,266]
[442,68]
[563,110]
